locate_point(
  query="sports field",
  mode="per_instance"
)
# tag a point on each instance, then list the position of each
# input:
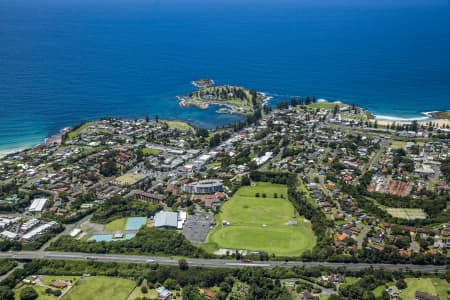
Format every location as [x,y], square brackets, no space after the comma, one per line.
[100,287]
[407,213]
[261,223]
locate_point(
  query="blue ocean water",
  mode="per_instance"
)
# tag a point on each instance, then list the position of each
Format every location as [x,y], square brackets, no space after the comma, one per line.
[63,62]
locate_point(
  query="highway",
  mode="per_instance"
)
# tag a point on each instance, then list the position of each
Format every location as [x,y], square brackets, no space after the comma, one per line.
[210,263]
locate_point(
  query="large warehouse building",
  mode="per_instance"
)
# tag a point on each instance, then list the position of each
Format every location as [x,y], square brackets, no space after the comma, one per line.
[166,219]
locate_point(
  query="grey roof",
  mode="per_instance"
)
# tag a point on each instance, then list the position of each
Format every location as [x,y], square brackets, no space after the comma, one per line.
[166,219]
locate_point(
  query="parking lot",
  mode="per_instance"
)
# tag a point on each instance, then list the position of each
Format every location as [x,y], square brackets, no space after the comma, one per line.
[197,227]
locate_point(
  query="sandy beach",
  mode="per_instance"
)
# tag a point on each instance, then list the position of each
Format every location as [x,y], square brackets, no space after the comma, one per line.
[441,123]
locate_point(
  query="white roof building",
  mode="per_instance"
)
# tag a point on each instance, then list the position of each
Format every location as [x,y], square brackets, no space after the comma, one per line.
[166,219]
[9,235]
[38,231]
[38,205]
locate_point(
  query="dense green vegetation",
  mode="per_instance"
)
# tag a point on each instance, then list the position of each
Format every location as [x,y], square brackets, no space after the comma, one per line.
[262,283]
[320,224]
[147,241]
[445,169]
[6,265]
[118,207]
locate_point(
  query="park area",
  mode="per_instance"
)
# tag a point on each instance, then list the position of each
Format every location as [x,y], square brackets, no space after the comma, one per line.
[407,213]
[261,218]
[433,286]
[100,287]
[183,126]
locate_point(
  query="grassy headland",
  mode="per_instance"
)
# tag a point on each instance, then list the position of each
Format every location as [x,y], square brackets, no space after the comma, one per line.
[236,99]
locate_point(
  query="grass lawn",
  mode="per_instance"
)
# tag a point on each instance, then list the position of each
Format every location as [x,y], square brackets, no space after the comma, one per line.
[378,292]
[260,224]
[398,144]
[151,151]
[179,125]
[434,286]
[74,133]
[115,225]
[444,115]
[152,294]
[325,105]
[349,281]
[100,287]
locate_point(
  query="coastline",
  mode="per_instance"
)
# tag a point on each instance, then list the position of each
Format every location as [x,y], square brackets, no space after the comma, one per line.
[6,152]
[429,116]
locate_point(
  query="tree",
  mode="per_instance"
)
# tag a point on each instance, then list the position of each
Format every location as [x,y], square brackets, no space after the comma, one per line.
[28,293]
[170,284]
[183,264]
[385,296]
[245,180]
[109,168]
[144,290]
[401,284]
[6,293]
[335,110]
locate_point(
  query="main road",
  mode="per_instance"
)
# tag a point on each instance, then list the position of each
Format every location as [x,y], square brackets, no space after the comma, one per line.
[210,263]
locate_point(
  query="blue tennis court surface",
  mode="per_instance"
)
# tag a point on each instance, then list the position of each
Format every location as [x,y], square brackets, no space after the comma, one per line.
[134,223]
[109,237]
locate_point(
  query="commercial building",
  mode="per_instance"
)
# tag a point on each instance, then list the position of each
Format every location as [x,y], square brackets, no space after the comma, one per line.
[28,225]
[38,231]
[37,205]
[155,198]
[263,159]
[166,219]
[5,222]
[209,186]
[9,235]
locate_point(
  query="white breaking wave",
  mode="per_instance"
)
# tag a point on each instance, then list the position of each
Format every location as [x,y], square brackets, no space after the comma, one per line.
[400,119]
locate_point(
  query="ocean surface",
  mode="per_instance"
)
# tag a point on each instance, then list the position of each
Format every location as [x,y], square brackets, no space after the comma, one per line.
[65,61]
